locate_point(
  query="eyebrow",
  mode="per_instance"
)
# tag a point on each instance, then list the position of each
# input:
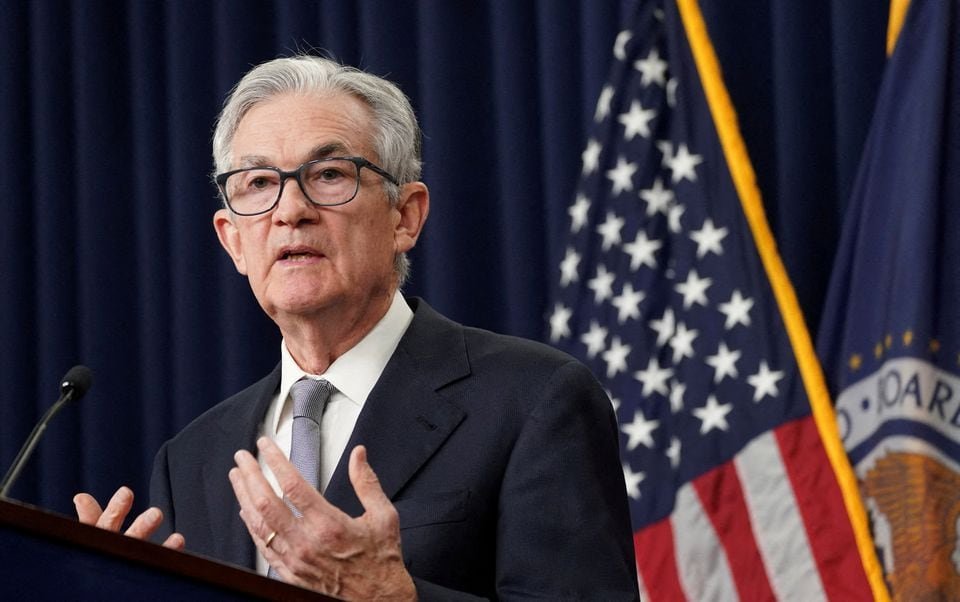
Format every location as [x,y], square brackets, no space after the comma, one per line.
[321,151]
[253,161]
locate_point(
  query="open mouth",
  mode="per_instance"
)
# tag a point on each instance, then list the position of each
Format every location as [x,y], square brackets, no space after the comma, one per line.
[297,254]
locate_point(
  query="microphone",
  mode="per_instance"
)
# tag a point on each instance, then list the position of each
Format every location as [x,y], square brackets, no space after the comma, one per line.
[74,385]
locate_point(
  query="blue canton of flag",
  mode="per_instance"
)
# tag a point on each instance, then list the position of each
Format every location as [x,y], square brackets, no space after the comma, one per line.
[663,293]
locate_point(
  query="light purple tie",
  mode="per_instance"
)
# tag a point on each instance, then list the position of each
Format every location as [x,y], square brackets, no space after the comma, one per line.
[309,399]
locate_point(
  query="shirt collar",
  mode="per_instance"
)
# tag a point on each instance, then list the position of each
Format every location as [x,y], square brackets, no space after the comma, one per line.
[354,373]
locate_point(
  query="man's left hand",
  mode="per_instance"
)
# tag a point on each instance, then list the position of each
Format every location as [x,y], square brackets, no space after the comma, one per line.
[325,550]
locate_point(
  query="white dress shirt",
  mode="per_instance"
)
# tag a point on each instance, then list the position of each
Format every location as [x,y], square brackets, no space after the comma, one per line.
[354,375]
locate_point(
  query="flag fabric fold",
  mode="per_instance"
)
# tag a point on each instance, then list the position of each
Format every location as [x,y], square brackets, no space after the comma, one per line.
[671,290]
[890,336]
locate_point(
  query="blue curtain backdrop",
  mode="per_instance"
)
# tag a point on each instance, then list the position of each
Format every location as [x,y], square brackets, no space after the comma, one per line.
[108,257]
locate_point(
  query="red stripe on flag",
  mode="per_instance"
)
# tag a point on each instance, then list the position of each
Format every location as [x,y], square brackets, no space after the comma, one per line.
[722,498]
[656,561]
[822,509]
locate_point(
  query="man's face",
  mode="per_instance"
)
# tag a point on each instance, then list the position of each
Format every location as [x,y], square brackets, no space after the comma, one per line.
[302,259]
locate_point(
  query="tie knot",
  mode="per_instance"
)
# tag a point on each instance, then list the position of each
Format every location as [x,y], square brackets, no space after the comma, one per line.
[309,398]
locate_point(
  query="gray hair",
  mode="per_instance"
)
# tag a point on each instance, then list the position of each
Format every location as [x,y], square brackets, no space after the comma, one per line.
[396,136]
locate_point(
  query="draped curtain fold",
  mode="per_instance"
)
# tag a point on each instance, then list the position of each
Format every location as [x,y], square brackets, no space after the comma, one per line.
[108,256]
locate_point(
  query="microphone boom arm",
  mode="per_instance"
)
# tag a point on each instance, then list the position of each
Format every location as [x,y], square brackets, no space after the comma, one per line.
[74,385]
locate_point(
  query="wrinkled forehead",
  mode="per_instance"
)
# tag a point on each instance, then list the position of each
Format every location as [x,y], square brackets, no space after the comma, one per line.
[300,127]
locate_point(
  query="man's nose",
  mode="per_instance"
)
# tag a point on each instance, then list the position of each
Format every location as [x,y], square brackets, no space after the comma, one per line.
[293,206]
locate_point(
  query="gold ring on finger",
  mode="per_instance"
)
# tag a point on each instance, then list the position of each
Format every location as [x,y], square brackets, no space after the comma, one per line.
[269,539]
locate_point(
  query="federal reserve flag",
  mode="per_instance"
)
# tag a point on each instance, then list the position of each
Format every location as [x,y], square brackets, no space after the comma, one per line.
[672,291]
[890,338]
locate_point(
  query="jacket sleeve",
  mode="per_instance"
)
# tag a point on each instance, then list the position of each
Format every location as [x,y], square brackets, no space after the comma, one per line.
[563,525]
[564,529]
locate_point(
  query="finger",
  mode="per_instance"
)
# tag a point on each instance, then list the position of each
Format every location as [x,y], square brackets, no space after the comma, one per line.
[175,542]
[248,513]
[292,484]
[252,518]
[144,525]
[260,508]
[117,509]
[88,510]
[253,490]
[240,490]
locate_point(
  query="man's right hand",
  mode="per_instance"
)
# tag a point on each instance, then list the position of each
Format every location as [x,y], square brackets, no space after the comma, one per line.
[111,518]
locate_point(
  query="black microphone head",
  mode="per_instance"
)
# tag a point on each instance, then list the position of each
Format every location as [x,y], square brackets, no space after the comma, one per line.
[78,380]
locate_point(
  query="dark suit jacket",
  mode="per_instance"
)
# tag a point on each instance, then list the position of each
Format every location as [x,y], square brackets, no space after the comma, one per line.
[500,455]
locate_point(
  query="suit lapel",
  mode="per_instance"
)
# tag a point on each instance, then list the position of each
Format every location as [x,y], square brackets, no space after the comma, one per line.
[238,429]
[405,420]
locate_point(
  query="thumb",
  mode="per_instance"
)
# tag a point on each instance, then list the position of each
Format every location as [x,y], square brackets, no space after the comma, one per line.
[365,481]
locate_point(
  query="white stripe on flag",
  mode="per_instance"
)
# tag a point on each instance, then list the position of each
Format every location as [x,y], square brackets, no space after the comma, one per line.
[777,525]
[701,561]
[644,594]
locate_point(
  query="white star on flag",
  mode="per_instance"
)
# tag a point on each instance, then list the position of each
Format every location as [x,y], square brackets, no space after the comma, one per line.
[683,164]
[764,382]
[616,357]
[737,310]
[636,121]
[610,230]
[673,219]
[628,303]
[569,266]
[654,378]
[677,390]
[632,481]
[657,198]
[591,157]
[694,289]
[724,363]
[560,322]
[603,103]
[578,213]
[713,415]
[708,238]
[595,339]
[621,176]
[602,284]
[682,342]
[664,326]
[639,431]
[673,452]
[641,251]
[652,68]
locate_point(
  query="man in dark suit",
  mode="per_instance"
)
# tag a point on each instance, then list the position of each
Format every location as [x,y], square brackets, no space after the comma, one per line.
[497,471]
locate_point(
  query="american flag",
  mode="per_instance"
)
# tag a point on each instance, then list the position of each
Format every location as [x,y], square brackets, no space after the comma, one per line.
[671,290]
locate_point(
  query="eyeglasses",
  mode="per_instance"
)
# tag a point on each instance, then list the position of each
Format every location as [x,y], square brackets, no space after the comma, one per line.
[325,182]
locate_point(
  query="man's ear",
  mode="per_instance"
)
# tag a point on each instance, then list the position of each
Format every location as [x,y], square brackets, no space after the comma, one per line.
[412,207]
[230,238]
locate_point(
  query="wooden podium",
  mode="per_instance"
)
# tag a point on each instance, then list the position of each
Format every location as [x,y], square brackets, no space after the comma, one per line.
[45,556]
